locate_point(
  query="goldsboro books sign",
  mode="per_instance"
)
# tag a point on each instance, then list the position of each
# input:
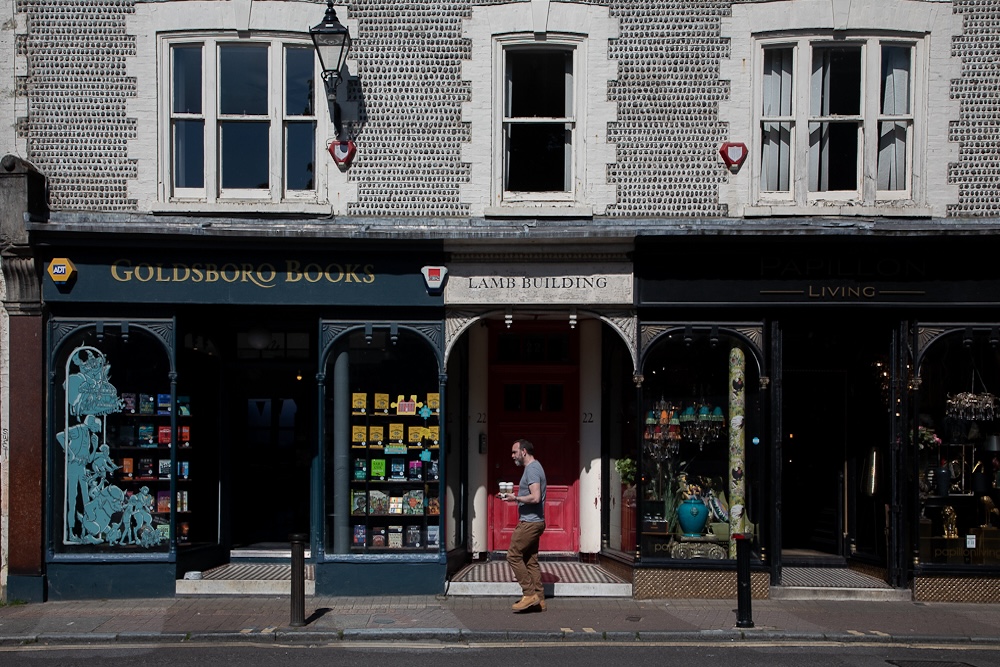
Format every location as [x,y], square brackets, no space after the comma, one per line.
[288,279]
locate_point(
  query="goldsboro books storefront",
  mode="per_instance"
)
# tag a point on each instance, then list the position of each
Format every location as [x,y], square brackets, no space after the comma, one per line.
[204,402]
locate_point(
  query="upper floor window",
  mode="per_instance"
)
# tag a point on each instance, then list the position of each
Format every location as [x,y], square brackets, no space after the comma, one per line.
[538,123]
[836,120]
[242,119]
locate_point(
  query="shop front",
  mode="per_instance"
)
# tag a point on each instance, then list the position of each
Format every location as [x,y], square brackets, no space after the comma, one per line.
[828,397]
[205,404]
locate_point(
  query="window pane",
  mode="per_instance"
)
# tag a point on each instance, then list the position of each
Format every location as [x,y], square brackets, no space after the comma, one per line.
[892,156]
[554,398]
[533,398]
[836,84]
[778,82]
[243,80]
[243,153]
[187,79]
[512,398]
[537,155]
[776,145]
[538,83]
[895,80]
[189,154]
[833,156]
[299,82]
[300,156]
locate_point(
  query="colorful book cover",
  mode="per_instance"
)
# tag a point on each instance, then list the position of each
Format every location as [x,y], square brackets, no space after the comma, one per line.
[415,434]
[184,406]
[127,471]
[164,530]
[396,432]
[434,401]
[432,469]
[378,536]
[163,404]
[397,448]
[359,434]
[163,501]
[360,469]
[147,435]
[184,469]
[163,435]
[147,404]
[413,502]
[359,403]
[416,470]
[183,531]
[397,468]
[432,434]
[412,537]
[433,506]
[406,406]
[432,536]
[185,436]
[164,469]
[360,536]
[378,468]
[395,537]
[359,503]
[382,402]
[395,504]
[376,434]
[378,502]
[130,403]
[182,501]
[146,469]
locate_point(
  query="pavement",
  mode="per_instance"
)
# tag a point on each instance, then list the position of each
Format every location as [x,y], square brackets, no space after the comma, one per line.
[477,620]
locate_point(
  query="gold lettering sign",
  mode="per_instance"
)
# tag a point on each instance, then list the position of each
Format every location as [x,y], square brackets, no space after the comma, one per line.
[264,274]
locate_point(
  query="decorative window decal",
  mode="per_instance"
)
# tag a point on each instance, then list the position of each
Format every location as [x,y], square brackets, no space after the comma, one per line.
[96,511]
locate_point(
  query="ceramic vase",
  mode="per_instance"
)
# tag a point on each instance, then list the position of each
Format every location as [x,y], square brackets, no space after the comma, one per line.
[692,514]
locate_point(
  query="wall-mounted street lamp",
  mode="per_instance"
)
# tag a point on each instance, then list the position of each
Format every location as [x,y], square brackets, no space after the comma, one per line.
[333,42]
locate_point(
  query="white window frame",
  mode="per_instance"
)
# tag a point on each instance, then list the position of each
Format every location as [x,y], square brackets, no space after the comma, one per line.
[212,191]
[576,45]
[799,119]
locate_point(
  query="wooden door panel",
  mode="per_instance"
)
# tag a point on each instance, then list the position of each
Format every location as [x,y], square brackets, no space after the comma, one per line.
[560,520]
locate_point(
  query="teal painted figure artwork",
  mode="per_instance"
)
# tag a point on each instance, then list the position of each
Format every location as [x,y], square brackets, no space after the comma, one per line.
[95,510]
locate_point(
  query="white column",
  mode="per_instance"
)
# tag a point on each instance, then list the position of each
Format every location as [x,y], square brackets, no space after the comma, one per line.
[590,436]
[478,394]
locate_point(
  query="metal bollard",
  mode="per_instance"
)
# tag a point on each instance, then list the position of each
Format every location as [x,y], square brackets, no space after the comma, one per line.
[743,612]
[298,618]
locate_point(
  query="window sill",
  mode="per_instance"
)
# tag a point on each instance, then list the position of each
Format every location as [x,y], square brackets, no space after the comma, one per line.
[242,206]
[838,209]
[539,211]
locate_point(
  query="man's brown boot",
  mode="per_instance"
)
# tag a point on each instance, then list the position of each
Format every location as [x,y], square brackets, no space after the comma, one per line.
[541,604]
[525,603]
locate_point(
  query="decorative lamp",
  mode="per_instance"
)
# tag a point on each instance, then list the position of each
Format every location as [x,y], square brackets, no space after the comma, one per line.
[332,41]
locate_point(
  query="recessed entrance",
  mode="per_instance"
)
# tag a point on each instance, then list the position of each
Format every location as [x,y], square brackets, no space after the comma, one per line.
[533,394]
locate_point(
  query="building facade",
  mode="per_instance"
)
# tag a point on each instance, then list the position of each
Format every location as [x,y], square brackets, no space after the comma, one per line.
[727,264]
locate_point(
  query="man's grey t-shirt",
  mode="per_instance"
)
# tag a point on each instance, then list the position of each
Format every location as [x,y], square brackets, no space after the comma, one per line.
[533,473]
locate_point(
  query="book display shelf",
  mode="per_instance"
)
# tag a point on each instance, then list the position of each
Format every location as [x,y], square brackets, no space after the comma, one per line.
[140,442]
[394,479]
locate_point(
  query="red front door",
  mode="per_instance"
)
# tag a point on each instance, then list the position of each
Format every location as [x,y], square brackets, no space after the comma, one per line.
[534,394]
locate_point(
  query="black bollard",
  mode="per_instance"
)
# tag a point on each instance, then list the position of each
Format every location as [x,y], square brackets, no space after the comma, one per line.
[743,613]
[298,579]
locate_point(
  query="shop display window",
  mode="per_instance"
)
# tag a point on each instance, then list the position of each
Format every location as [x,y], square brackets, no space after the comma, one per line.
[698,469]
[393,448]
[956,445]
[121,444]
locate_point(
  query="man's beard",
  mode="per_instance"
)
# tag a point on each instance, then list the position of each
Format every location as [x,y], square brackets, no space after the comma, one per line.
[518,462]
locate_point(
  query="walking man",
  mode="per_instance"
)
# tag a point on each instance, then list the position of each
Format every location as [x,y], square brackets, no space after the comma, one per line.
[523,552]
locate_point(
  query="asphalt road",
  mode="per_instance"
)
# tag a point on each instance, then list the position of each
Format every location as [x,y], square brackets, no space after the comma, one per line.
[562,654]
